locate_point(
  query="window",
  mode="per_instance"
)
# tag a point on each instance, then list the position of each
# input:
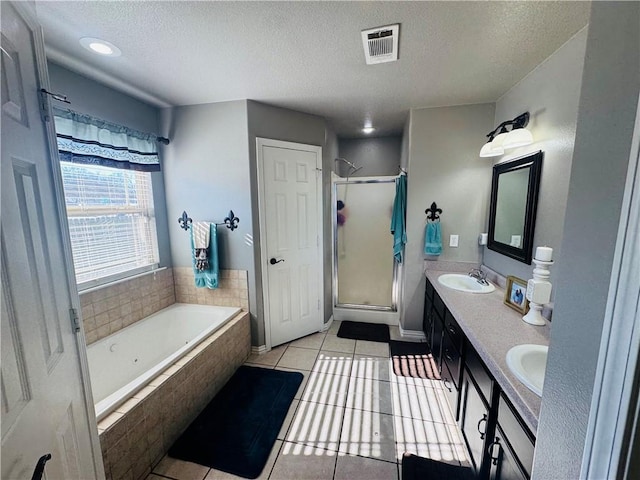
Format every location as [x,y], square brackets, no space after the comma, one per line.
[106,173]
[111,221]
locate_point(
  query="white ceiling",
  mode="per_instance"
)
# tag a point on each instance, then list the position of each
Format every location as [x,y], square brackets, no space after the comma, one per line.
[308,56]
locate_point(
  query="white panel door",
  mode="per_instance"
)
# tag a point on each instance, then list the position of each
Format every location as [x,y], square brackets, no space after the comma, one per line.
[44,408]
[290,220]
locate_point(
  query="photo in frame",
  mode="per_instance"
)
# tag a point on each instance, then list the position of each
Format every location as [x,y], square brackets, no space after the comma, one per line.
[516,294]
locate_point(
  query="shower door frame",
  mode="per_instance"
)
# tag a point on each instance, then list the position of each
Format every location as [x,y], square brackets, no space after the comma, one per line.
[395,286]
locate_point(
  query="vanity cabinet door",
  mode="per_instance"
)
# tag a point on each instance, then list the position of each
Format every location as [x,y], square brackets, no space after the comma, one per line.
[504,465]
[437,329]
[427,318]
[474,421]
[451,357]
[450,390]
[517,435]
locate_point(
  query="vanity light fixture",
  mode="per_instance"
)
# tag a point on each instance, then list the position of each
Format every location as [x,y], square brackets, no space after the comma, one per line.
[100,47]
[501,138]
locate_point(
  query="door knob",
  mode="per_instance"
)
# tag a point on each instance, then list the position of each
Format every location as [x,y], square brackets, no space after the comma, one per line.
[39,470]
[273,261]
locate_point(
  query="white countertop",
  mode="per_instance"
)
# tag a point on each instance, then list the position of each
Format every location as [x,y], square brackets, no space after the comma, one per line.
[493,328]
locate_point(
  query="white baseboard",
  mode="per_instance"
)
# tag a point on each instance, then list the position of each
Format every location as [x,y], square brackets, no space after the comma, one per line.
[327,325]
[368,316]
[259,350]
[413,334]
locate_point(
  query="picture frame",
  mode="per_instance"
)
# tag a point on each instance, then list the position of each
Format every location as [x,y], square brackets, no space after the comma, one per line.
[516,294]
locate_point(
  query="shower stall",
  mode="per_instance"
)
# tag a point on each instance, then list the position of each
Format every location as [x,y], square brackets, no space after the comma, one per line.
[365,274]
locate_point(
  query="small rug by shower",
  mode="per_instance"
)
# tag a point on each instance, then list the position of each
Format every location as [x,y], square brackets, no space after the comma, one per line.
[373,332]
[412,359]
[238,428]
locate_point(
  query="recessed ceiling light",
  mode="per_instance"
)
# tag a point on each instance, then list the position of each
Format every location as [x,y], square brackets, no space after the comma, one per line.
[101,47]
[368,130]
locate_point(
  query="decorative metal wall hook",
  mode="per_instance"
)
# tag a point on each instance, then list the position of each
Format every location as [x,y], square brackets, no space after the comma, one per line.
[185,221]
[433,212]
[231,221]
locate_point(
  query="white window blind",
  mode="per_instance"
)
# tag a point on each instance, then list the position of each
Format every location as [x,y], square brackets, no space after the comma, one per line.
[111,222]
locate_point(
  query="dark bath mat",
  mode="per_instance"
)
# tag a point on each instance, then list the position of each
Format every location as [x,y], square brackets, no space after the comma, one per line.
[413,360]
[237,429]
[373,332]
[418,468]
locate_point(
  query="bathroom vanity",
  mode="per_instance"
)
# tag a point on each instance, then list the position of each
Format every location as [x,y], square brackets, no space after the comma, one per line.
[470,335]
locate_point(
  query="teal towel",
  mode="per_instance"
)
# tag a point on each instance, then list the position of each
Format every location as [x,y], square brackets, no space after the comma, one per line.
[209,277]
[398,228]
[432,239]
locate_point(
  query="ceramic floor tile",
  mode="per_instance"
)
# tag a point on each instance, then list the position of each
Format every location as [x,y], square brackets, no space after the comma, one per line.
[302,462]
[336,363]
[266,471]
[335,326]
[337,344]
[302,386]
[310,341]
[349,467]
[376,349]
[288,419]
[427,439]
[180,470]
[269,358]
[153,476]
[326,388]
[371,395]
[376,368]
[316,425]
[420,402]
[368,434]
[302,358]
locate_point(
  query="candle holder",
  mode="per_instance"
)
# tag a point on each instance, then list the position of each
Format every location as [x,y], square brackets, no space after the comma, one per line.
[538,292]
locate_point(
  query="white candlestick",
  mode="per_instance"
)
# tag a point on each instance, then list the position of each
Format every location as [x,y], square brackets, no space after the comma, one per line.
[544,254]
[541,293]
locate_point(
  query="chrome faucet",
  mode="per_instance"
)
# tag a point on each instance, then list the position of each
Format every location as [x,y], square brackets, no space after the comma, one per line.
[479,275]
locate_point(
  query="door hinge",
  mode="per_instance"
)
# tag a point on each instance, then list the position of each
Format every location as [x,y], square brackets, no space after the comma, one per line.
[44,105]
[75,320]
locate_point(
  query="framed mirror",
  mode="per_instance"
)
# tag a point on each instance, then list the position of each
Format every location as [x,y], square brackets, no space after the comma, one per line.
[514,199]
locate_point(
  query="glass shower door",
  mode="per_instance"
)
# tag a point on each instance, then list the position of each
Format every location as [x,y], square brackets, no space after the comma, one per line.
[365,270]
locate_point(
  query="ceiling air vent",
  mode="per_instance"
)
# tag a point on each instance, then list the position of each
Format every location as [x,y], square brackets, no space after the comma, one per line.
[381,44]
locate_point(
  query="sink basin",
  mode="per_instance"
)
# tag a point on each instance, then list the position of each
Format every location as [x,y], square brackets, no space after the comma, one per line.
[528,363]
[464,283]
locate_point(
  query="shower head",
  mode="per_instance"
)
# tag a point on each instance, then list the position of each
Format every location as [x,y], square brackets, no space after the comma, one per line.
[351,164]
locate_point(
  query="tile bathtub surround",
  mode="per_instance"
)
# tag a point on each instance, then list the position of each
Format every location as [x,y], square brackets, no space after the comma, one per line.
[232,289]
[113,307]
[138,434]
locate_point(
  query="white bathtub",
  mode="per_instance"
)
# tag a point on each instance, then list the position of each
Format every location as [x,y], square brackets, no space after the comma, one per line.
[123,363]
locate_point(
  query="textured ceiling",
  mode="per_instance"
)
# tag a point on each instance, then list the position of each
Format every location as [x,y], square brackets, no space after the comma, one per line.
[308,56]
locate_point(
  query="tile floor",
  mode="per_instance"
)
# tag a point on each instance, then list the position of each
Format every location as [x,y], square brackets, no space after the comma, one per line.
[352,418]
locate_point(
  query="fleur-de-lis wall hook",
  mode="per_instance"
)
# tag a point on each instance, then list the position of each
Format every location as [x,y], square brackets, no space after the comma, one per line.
[231,221]
[433,212]
[184,221]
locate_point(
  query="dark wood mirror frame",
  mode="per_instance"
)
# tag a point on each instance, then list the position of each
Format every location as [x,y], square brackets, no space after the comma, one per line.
[533,162]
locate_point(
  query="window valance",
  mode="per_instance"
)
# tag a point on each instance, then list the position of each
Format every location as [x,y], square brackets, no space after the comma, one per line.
[89,140]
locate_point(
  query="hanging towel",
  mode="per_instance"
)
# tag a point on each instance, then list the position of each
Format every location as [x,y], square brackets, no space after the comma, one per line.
[201,234]
[205,277]
[398,228]
[432,239]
